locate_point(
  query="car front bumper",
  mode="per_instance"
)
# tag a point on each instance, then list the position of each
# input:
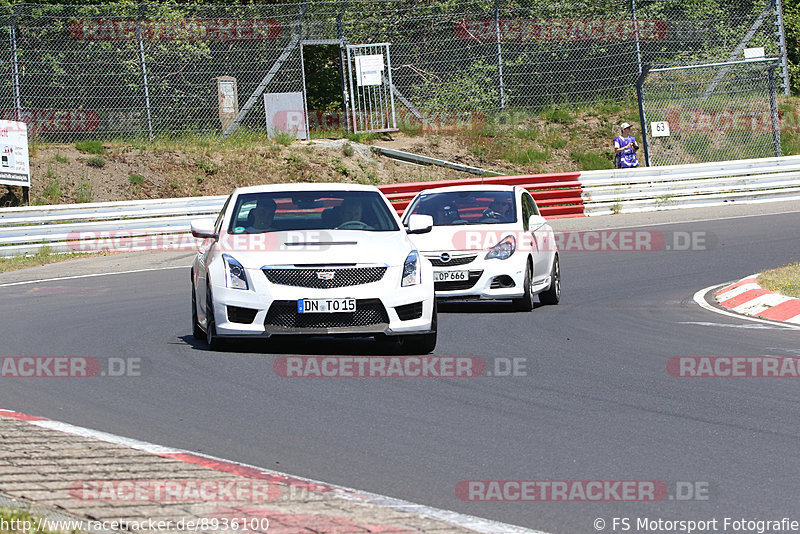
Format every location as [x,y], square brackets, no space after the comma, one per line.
[382,307]
[507,276]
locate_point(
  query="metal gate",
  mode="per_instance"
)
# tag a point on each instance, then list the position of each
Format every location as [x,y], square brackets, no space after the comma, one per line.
[371,97]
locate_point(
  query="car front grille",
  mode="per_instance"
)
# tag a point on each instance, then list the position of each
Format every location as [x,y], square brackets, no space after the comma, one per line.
[408,312]
[283,315]
[458,285]
[324,278]
[458,260]
[241,315]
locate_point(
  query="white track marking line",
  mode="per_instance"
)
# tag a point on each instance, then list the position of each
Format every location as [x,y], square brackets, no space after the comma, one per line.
[478,524]
[699,298]
[725,325]
[77,276]
[667,223]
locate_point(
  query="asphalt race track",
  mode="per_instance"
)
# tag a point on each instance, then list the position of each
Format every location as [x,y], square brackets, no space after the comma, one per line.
[597,402]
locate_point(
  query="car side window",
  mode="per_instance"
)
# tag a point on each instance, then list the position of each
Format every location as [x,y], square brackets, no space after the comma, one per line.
[527,209]
[532,203]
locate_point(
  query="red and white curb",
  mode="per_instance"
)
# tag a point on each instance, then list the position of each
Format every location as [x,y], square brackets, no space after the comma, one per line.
[748,298]
[470,522]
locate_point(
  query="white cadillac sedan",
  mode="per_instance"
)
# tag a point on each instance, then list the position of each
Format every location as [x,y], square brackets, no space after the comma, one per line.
[313,259]
[488,242]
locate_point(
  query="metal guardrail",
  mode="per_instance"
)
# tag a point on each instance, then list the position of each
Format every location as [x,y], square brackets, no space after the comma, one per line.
[164,224]
[408,157]
[98,226]
[688,186]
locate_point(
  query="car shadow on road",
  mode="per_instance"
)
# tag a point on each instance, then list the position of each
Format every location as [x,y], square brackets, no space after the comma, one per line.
[293,345]
[475,306]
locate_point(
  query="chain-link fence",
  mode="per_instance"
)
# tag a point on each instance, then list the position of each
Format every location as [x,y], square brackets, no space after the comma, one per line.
[149,70]
[717,112]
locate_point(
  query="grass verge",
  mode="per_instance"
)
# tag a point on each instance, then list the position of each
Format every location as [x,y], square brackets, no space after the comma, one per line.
[42,257]
[784,280]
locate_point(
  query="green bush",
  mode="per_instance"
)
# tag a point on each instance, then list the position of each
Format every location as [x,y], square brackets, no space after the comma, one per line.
[283,138]
[96,161]
[557,114]
[90,146]
[790,143]
[365,137]
[208,168]
[528,134]
[527,156]
[338,166]
[590,161]
[84,192]
[51,193]
[136,179]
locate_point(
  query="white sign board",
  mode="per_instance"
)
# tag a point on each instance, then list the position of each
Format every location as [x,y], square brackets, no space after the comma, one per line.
[228,92]
[753,53]
[660,129]
[369,69]
[14,165]
[285,113]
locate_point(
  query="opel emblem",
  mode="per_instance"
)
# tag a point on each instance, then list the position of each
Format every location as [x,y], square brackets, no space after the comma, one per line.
[326,275]
[445,257]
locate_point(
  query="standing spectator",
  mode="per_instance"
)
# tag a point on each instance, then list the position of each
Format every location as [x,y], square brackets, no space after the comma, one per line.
[625,147]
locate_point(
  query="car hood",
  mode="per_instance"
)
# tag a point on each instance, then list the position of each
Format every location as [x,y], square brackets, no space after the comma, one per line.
[463,238]
[317,248]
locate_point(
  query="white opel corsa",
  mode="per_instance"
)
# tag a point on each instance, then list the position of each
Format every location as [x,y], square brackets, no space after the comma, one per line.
[314,259]
[488,242]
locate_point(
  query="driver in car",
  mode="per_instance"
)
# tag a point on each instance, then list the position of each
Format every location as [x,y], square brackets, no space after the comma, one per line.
[350,210]
[261,216]
[499,209]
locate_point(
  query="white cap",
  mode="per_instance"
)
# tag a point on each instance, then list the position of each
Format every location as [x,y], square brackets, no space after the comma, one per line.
[624,125]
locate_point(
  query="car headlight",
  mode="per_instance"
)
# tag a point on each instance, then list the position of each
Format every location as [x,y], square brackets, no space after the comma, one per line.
[504,249]
[411,272]
[235,275]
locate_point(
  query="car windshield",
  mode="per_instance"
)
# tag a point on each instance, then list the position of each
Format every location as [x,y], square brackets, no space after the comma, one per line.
[311,210]
[466,207]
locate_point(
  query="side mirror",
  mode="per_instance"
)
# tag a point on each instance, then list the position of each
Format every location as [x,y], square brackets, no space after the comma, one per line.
[203,229]
[419,224]
[535,221]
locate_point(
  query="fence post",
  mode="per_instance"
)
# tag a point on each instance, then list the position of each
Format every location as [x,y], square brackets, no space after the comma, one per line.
[642,117]
[773,111]
[499,54]
[143,66]
[342,79]
[15,63]
[782,44]
[636,36]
